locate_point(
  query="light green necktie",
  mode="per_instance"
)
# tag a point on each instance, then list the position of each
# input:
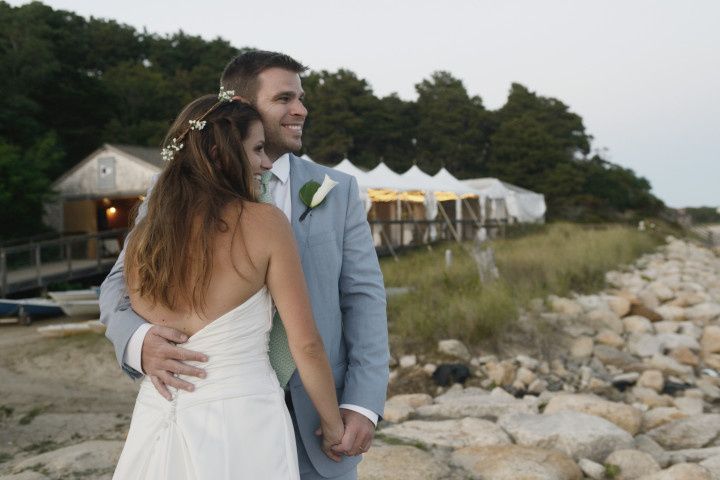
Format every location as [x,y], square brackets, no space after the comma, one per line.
[279,350]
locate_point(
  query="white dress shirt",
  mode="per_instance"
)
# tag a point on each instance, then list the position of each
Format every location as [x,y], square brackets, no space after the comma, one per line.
[280,191]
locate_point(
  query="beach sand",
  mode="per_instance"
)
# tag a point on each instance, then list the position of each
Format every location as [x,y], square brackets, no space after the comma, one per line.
[59,391]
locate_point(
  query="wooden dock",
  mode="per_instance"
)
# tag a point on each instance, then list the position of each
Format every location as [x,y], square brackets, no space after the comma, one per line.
[35,265]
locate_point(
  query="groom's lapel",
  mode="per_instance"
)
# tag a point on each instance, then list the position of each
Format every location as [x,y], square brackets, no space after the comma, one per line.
[299,175]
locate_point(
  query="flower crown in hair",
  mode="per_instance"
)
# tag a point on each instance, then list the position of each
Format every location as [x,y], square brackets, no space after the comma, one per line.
[168,152]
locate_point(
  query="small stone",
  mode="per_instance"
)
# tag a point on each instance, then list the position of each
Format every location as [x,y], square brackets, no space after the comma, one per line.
[608,337]
[666,326]
[685,356]
[652,379]
[592,469]
[669,365]
[454,348]
[689,406]
[605,319]
[502,373]
[565,306]
[644,345]
[708,388]
[407,361]
[703,312]
[650,397]
[656,417]
[637,324]
[710,342]
[619,305]
[528,362]
[661,291]
[711,360]
[643,311]
[668,312]
[582,347]
[395,413]
[538,386]
[525,376]
[632,463]
[412,400]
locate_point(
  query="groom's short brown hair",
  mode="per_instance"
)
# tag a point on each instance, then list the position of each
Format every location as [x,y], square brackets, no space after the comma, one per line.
[241,74]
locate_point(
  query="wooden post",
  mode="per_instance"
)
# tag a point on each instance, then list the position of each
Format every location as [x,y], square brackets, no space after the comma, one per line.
[98,250]
[68,256]
[3,273]
[38,265]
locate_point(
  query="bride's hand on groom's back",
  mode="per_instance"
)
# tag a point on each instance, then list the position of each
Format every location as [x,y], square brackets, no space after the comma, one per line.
[162,359]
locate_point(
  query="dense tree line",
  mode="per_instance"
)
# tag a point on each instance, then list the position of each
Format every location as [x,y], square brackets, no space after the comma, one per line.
[70,84]
[704,214]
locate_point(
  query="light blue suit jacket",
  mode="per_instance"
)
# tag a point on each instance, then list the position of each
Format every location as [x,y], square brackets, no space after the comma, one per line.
[348,301]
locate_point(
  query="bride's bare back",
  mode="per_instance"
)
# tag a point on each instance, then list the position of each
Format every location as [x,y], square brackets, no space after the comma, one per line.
[241,256]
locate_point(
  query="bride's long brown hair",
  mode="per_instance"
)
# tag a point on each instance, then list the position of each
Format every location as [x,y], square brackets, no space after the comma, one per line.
[169,254]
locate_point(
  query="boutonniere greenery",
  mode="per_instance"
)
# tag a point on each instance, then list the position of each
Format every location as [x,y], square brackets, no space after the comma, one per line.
[312,194]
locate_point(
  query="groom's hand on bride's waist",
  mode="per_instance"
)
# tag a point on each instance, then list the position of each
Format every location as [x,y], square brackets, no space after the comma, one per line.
[162,360]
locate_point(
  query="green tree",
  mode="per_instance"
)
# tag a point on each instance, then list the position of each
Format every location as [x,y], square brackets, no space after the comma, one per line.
[452,126]
[25,185]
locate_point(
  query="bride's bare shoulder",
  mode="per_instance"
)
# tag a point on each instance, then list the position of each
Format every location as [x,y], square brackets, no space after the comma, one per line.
[264,219]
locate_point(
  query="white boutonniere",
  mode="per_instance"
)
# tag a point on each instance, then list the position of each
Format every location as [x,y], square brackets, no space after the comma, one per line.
[312,194]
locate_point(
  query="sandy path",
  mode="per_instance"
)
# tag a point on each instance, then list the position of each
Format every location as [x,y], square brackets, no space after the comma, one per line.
[56,392]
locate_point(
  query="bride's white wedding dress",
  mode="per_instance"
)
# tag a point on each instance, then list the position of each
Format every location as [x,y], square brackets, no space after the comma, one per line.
[235,425]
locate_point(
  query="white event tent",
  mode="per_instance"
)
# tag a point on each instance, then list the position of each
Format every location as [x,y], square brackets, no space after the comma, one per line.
[509,201]
[423,195]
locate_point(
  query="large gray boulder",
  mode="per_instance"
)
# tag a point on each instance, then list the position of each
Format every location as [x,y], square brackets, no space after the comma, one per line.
[624,416]
[577,434]
[390,462]
[692,432]
[475,402]
[449,433]
[515,462]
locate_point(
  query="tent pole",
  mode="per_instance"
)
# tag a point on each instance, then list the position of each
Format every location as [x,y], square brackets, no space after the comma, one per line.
[389,244]
[448,222]
[472,214]
[459,216]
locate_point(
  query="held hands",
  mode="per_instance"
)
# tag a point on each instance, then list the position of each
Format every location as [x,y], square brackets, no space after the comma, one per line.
[331,437]
[162,360]
[356,438]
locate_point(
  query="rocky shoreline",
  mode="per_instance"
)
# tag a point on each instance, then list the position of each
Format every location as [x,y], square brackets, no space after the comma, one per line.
[633,390]
[628,388]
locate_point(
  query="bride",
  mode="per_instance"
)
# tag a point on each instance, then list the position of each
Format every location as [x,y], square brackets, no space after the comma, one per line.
[209,260]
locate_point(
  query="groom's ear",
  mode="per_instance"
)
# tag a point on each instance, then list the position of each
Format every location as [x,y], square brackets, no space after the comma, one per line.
[238,98]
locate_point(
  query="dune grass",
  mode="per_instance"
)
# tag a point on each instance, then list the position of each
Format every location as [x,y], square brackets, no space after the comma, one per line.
[453,303]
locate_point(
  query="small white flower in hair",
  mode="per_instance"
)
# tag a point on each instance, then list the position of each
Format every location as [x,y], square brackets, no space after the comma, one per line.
[168,152]
[197,124]
[225,95]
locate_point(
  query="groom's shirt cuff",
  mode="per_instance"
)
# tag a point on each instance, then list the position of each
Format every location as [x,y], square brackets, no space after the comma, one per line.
[372,416]
[133,351]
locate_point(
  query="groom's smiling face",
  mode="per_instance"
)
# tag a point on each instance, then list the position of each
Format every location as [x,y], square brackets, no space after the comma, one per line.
[279,100]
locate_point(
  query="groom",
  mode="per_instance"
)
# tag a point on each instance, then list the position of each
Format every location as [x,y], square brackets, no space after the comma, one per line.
[341,270]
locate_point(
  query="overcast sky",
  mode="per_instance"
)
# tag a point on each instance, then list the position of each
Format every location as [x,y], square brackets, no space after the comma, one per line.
[643,74]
